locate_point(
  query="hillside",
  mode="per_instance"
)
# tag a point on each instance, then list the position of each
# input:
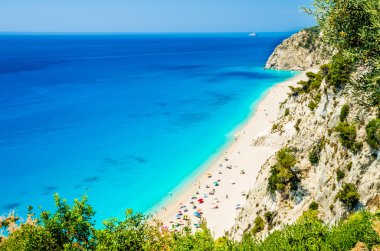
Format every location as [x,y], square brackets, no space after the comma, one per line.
[307,124]
[301,51]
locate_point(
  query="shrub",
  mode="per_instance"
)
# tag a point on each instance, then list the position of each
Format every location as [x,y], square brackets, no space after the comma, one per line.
[315,152]
[324,69]
[344,112]
[349,195]
[283,173]
[313,206]
[349,166]
[269,217]
[259,225]
[286,112]
[340,174]
[314,82]
[312,105]
[276,128]
[340,70]
[347,135]
[136,233]
[357,228]
[373,133]
[297,125]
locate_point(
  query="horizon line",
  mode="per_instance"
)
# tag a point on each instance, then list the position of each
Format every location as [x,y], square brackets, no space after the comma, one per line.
[131,33]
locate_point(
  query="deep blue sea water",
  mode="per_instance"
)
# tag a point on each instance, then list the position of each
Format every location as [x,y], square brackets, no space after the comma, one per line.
[122,118]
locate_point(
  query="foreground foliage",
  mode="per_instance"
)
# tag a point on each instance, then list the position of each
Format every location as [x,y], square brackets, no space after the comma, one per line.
[73,228]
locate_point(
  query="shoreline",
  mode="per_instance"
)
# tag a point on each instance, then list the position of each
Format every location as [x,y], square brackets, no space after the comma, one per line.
[229,169]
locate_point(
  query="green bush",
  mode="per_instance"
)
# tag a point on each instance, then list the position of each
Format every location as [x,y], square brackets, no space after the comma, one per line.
[259,225]
[347,135]
[313,83]
[312,105]
[313,206]
[137,232]
[286,112]
[349,195]
[269,217]
[350,25]
[373,133]
[357,228]
[344,112]
[315,152]
[297,125]
[340,174]
[349,166]
[283,173]
[324,69]
[340,70]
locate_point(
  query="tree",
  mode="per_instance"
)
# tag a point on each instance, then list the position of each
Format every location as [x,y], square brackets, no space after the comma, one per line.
[349,195]
[71,227]
[373,133]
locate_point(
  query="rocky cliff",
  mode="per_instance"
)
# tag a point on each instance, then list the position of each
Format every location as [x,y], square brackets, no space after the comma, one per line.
[307,123]
[301,51]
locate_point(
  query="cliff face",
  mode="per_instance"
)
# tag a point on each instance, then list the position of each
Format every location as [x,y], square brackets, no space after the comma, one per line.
[301,51]
[301,128]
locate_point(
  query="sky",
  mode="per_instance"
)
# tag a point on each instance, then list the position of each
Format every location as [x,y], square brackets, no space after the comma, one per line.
[153,15]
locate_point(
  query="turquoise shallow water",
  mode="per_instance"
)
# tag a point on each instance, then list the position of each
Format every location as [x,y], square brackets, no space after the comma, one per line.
[122,118]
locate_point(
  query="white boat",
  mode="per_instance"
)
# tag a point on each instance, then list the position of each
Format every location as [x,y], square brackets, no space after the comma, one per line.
[252,34]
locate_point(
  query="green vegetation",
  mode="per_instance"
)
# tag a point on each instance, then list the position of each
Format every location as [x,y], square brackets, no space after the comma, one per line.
[286,112]
[349,195]
[312,105]
[309,233]
[373,133]
[313,206]
[297,125]
[313,83]
[314,154]
[340,70]
[351,25]
[72,228]
[276,128]
[349,166]
[284,175]
[344,112]
[352,28]
[259,225]
[269,217]
[340,174]
[347,136]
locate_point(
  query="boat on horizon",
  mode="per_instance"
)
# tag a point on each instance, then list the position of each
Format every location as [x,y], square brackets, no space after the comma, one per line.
[252,34]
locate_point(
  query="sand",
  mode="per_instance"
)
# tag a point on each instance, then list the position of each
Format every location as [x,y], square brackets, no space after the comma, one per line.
[239,157]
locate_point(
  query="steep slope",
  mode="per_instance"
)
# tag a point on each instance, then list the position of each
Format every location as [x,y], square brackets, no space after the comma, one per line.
[324,128]
[301,51]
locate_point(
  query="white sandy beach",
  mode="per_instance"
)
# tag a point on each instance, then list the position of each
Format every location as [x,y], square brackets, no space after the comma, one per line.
[241,156]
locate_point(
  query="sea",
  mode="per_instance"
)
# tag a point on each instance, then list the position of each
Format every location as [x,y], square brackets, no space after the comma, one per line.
[123,119]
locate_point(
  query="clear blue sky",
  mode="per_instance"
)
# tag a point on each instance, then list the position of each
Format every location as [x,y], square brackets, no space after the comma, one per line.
[152,15]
